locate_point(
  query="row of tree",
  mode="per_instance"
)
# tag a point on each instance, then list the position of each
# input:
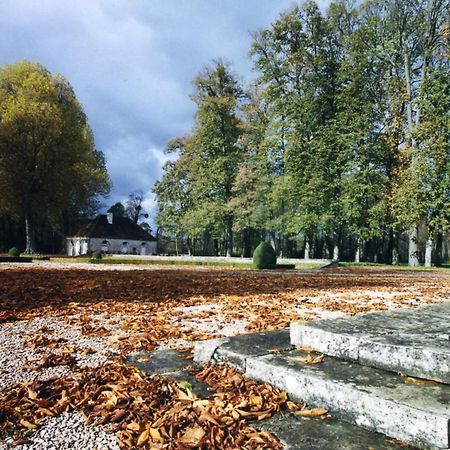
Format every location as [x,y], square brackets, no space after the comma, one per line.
[339,148]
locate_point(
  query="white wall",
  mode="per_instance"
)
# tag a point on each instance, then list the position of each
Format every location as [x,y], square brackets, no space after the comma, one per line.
[81,246]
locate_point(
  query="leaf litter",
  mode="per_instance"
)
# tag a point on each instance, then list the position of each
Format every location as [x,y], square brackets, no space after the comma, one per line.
[139,310]
[151,412]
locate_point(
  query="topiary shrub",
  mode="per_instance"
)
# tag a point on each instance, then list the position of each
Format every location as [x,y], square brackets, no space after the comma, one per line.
[97,255]
[264,256]
[14,251]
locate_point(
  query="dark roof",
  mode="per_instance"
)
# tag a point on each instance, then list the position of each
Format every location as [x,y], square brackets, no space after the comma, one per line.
[121,228]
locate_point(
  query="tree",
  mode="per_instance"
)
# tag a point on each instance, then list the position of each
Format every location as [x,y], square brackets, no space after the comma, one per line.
[172,192]
[410,35]
[48,162]
[208,162]
[118,210]
[423,194]
[134,206]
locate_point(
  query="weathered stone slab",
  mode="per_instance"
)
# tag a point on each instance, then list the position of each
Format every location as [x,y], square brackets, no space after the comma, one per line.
[371,398]
[171,364]
[159,361]
[411,341]
[301,433]
[237,349]
[204,350]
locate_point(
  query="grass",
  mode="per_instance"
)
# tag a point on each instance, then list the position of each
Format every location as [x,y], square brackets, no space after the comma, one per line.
[18,259]
[69,259]
[170,262]
[402,266]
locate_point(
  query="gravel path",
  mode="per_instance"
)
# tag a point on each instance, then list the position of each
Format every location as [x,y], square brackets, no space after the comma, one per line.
[66,432]
[19,356]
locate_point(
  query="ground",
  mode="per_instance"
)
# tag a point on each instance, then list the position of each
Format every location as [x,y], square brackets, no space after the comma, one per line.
[75,324]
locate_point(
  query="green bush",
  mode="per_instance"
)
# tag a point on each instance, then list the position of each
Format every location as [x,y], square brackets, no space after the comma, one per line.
[97,254]
[264,256]
[14,251]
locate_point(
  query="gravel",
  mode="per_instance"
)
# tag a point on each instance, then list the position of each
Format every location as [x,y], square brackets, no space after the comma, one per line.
[14,354]
[65,432]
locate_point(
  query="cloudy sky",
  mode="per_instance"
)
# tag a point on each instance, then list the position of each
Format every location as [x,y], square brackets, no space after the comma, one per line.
[132,63]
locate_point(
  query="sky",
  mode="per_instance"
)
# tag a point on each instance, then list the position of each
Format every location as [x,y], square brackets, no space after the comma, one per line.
[131,63]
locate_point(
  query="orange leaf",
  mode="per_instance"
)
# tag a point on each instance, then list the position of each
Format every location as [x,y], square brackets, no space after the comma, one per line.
[29,425]
[192,437]
[315,412]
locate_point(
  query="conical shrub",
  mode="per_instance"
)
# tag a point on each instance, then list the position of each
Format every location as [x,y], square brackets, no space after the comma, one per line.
[264,256]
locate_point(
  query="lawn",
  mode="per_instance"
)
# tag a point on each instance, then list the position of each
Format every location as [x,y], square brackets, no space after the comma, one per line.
[75,325]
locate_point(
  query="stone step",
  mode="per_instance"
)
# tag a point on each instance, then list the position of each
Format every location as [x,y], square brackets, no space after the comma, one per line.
[375,399]
[295,432]
[303,433]
[415,342]
[371,398]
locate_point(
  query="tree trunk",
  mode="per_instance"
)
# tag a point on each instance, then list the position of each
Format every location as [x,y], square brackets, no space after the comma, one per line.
[358,250]
[395,255]
[438,250]
[176,245]
[413,251]
[335,252]
[428,251]
[29,230]
[216,247]
[229,243]
[273,241]
[307,249]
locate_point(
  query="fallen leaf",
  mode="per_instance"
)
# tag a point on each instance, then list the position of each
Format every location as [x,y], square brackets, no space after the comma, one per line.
[192,436]
[315,412]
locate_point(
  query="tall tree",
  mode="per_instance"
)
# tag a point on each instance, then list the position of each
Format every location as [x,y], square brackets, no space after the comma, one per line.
[48,162]
[134,209]
[210,157]
[410,36]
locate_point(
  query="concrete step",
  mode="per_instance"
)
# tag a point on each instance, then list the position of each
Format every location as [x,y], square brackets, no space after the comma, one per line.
[415,342]
[235,350]
[295,432]
[371,398]
[303,433]
[375,399]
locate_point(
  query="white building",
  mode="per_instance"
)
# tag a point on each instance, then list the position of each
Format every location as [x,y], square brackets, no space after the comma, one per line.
[111,235]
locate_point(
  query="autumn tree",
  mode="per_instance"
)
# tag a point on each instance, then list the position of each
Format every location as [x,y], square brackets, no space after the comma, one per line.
[48,161]
[210,159]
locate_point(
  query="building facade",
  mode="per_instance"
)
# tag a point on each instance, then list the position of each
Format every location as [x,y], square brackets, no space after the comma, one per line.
[111,235]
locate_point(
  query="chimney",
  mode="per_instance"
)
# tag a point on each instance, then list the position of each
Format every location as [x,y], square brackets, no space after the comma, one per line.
[109,217]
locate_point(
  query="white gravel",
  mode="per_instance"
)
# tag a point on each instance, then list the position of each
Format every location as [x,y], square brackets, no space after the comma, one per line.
[66,432]
[14,354]
[191,319]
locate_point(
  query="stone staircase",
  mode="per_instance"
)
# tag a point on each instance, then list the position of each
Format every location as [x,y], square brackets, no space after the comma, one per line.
[386,372]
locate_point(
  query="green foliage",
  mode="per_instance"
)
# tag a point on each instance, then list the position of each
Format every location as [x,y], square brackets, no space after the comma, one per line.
[48,162]
[264,256]
[342,139]
[118,210]
[97,254]
[13,251]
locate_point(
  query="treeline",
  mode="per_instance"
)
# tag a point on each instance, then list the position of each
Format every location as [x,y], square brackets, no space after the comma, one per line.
[339,148]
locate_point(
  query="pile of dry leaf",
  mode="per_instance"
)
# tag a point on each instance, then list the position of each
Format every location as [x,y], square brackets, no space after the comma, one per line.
[153,413]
